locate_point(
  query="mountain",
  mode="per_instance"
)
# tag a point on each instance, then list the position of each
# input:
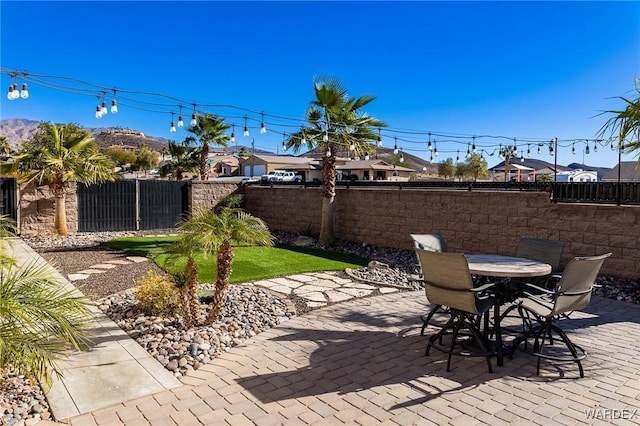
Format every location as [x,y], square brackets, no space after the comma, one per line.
[18,130]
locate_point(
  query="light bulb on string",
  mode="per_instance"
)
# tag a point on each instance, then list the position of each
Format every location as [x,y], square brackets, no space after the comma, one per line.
[233,133]
[24,93]
[473,146]
[595,147]
[329,152]
[352,147]
[245,133]
[379,143]
[284,144]
[366,157]
[395,145]
[538,149]
[468,152]
[573,148]
[586,149]
[528,151]
[10,92]
[98,112]
[458,156]
[435,148]
[172,128]
[194,117]
[180,120]
[263,129]
[114,104]
[15,93]
[401,156]
[103,108]
[325,138]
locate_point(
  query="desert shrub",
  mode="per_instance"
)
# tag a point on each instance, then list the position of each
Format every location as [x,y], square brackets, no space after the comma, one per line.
[157,295]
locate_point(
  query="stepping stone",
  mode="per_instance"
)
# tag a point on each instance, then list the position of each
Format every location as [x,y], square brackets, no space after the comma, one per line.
[287,282]
[103,266]
[344,281]
[387,290]
[281,289]
[314,296]
[323,284]
[361,286]
[316,304]
[137,259]
[118,262]
[303,278]
[77,277]
[355,292]
[337,296]
[93,271]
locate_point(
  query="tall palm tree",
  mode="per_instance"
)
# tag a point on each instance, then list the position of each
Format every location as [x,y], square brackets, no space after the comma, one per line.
[57,156]
[625,124]
[209,129]
[218,229]
[336,124]
[184,158]
[39,318]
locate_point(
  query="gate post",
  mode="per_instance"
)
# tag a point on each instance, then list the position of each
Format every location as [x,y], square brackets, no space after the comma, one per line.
[137,204]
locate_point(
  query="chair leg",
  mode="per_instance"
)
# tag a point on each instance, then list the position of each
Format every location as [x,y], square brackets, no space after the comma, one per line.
[425,320]
[483,346]
[572,348]
[454,337]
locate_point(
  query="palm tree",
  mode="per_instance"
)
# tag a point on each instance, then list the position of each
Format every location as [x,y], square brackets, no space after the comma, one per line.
[335,124]
[209,129]
[184,158]
[5,147]
[187,281]
[218,229]
[56,156]
[39,318]
[626,124]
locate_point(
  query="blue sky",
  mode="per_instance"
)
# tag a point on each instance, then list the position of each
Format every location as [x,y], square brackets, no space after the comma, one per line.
[525,70]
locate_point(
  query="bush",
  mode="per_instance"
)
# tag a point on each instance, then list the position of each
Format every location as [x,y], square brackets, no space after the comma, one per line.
[157,295]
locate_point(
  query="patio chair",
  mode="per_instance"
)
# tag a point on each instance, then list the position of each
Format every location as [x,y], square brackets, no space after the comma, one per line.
[433,243]
[547,251]
[448,283]
[571,293]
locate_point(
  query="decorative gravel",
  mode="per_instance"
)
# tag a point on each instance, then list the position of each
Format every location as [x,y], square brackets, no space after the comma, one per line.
[248,310]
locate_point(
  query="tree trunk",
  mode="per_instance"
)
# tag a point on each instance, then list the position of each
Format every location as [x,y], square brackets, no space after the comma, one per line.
[192,289]
[60,216]
[506,168]
[224,258]
[328,196]
[204,157]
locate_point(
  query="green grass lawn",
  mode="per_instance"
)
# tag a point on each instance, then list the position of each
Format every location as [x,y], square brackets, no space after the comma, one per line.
[249,263]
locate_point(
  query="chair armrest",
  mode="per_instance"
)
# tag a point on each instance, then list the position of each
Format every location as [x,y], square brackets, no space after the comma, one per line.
[538,289]
[483,287]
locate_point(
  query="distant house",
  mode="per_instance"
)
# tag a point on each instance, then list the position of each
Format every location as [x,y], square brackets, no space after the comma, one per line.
[527,171]
[223,165]
[258,165]
[577,176]
[629,172]
[371,170]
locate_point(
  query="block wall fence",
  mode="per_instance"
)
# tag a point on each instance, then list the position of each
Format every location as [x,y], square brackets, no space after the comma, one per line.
[472,222]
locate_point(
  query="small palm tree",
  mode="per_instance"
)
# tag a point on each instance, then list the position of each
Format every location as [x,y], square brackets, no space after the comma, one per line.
[218,230]
[187,280]
[39,318]
[184,158]
[336,124]
[209,129]
[56,156]
[5,147]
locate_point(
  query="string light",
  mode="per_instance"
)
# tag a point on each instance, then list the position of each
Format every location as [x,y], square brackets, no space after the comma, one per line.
[395,145]
[458,156]
[114,104]
[194,117]
[180,120]
[98,109]
[246,129]
[233,133]
[529,151]
[468,152]
[144,101]
[284,138]
[172,128]
[401,156]
[573,148]
[435,148]
[263,129]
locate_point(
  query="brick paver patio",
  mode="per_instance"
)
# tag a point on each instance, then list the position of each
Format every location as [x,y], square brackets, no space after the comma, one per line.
[362,363]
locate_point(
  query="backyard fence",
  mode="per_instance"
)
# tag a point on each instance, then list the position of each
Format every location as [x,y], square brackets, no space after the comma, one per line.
[131,205]
[8,200]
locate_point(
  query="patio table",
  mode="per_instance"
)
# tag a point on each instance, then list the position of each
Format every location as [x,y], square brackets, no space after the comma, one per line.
[491,265]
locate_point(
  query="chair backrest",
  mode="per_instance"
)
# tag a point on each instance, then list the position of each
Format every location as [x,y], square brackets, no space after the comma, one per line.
[574,288]
[546,251]
[447,280]
[430,242]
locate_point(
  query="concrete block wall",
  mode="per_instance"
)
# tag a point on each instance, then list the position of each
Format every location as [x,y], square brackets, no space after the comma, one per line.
[471,222]
[206,194]
[36,209]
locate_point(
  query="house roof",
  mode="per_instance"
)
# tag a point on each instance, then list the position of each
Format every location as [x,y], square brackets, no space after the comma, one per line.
[629,171]
[284,159]
[371,164]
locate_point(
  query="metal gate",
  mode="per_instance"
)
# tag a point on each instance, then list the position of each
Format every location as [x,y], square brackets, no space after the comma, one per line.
[8,200]
[131,205]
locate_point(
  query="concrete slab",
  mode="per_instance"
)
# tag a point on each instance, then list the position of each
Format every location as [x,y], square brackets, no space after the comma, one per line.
[103,266]
[78,277]
[137,259]
[92,271]
[115,369]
